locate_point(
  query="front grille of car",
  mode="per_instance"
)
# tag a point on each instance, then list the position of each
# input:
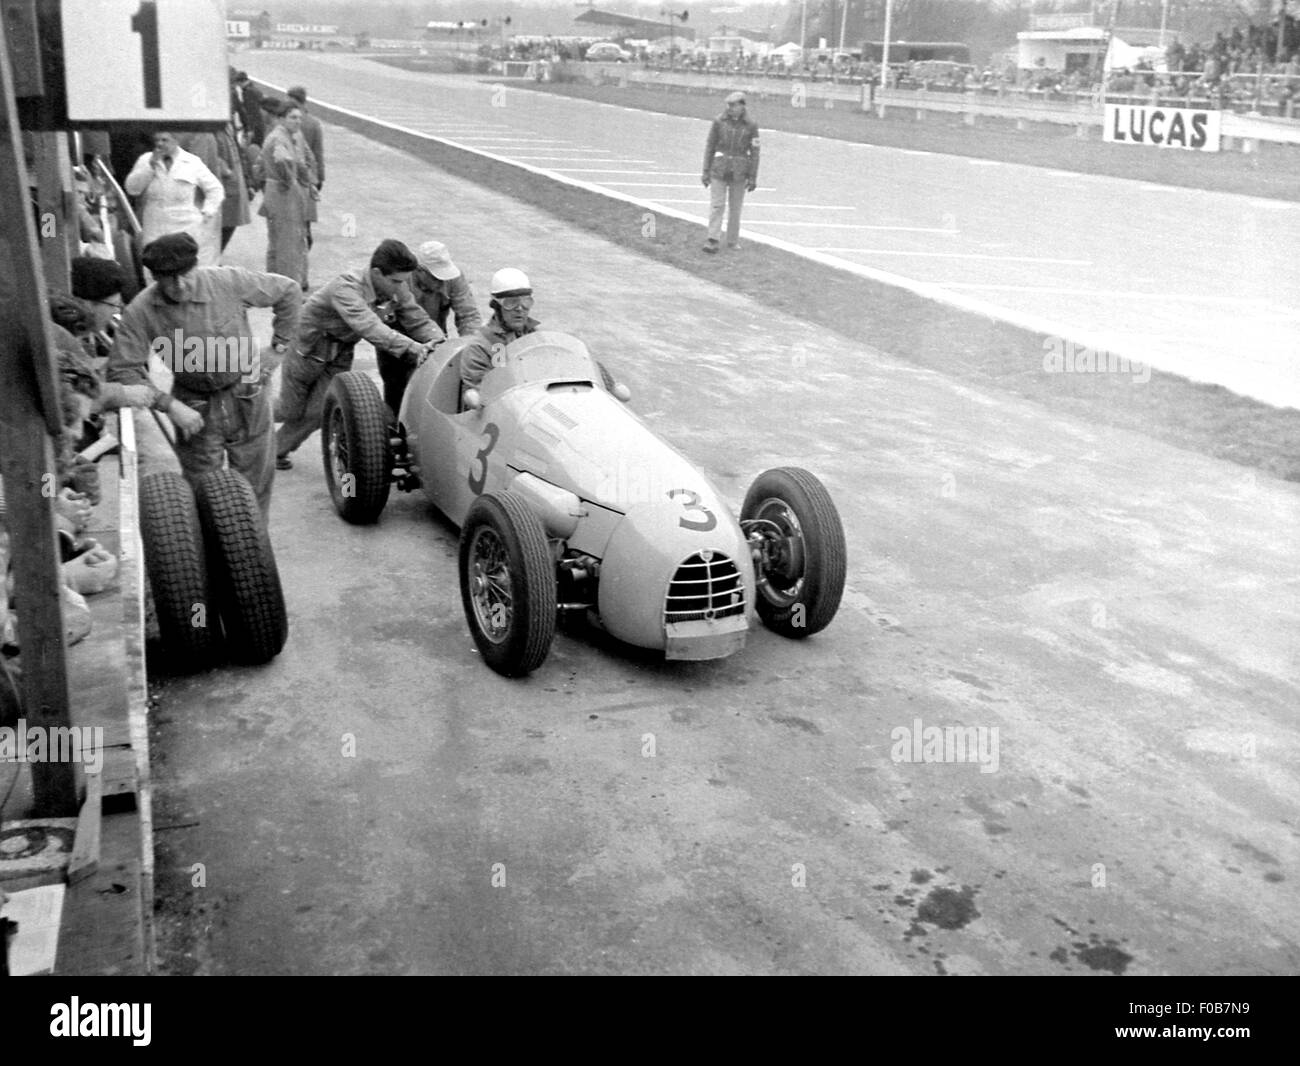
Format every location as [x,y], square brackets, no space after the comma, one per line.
[706,586]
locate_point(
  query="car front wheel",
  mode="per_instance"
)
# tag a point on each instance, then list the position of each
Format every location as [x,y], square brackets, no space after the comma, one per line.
[507,583]
[792,522]
[355,448]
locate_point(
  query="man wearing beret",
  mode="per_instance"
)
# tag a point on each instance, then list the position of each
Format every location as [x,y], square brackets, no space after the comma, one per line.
[195,319]
[730,169]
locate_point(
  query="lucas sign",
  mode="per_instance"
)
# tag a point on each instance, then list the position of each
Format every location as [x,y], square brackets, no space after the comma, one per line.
[145,60]
[1163,127]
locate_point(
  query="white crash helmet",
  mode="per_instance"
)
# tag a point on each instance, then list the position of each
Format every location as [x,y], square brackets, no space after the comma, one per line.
[509,281]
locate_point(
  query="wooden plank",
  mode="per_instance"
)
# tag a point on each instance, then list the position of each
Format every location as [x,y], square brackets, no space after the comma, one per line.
[29,415]
[120,779]
[85,847]
[101,932]
[59,231]
[131,576]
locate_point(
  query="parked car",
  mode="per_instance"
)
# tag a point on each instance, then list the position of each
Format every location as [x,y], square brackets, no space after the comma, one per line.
[567,501]
[607,52]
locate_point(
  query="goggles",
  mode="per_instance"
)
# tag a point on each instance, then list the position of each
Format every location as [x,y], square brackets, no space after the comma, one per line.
[516,303]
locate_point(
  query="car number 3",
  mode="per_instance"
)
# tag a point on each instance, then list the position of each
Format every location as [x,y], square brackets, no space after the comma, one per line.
[691,502]
[479,479]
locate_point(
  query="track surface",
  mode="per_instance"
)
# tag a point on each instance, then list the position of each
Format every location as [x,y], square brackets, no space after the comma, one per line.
[1123,613]
[1203,284]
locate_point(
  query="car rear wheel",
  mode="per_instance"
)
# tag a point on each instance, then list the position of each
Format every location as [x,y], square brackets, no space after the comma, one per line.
[507,583]
[355,447]
[245,579]
[176,563]
[801,565]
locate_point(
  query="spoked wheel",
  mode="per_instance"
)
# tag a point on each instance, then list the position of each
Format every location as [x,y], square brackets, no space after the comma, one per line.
[355,448]
[507,583]
[790,518]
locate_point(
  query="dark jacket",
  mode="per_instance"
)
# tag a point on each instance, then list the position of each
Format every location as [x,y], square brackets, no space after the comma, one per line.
[483,351]
[731,152]
[440,298]
[311,133]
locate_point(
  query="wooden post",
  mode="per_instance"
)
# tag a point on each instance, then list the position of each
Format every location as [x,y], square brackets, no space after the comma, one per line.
[29,420]
[59,227]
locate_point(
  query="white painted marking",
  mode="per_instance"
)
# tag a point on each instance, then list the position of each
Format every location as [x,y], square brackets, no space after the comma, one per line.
[958,255]
[1126,293]
[589,170]
[854,225]
[801,207]
[983,162]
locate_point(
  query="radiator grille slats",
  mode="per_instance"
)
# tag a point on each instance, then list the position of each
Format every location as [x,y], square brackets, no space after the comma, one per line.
[707,585]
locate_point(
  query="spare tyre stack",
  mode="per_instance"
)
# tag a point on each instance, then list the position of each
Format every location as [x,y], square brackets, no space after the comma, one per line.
[215,585]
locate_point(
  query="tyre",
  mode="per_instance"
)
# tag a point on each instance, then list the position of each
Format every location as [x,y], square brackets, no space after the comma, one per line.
[245,581]
[176,563]
[507,583]
[800,572]
[355,448]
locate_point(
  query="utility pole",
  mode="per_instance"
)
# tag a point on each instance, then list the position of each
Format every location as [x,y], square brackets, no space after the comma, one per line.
[844,21]
[884,51]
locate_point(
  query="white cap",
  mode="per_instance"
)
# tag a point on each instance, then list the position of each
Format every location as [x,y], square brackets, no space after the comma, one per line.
[435,258]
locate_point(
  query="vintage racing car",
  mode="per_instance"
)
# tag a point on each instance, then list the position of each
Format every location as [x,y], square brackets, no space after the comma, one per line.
[566,500]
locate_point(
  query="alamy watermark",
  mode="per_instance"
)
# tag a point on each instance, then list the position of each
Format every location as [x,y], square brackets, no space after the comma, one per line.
[83,744]
[950,743]
[1065,357]
[183,353]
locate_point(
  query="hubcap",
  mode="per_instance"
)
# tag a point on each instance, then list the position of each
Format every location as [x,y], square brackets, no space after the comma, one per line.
[489,584]
[781,576]
[338,447]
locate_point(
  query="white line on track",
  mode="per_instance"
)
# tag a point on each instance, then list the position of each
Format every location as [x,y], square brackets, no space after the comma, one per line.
[854,225]
[566,159]
[1127,293]
[589,170]
[960,255]
[748,204]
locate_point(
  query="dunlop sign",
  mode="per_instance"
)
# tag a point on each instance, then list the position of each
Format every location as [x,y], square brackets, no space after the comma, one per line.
[1164,127]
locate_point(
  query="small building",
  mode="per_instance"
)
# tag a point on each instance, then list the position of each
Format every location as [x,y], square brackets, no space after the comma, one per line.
[1080,47]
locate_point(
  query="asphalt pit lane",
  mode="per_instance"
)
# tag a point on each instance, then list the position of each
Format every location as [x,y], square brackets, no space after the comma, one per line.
[971,679]
[795,722]
[1255,853]
[1103,955]
[948,909]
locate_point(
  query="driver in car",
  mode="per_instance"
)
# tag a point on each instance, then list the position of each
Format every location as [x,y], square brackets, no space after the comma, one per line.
[512,299]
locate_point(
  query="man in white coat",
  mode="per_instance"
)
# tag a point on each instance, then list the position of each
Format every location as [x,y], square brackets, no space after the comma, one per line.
[177,194]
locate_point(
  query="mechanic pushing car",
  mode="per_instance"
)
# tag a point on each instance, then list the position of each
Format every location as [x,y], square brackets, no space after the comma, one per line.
[512,299]
[374,303]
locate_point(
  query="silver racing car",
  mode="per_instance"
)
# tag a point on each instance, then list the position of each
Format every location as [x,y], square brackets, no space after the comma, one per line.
[566,500]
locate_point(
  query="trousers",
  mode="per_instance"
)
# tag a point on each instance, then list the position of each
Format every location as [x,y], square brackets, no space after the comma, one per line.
[728,196]
[304,381]
[237,427]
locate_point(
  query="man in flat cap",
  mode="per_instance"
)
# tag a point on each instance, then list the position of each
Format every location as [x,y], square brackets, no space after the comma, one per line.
[730,169]
[441,289]
[195,319]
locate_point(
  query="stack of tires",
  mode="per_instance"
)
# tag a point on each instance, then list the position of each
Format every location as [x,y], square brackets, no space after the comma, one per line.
[216,589]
